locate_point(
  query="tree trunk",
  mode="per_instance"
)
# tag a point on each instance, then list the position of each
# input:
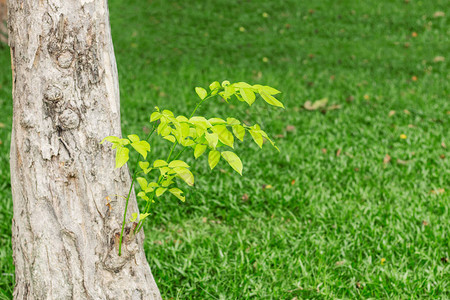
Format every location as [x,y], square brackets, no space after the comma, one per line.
[66,100]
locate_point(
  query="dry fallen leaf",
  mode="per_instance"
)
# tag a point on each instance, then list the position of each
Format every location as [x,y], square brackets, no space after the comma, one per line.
[386,159]
[340,263]
[290,128]
[443,145]
[359,286]
[292,181]
[414,78]
[334,107]
[439,14]
[324,151]
[204,219]
[414,34]
[350,99]
[442,156]
[411,126]
[245,197]
[402,162]
[338,152]
[439,59]
[391,113]
[444,259]
[406,111]
[425,223]
[438,191]
[316,105]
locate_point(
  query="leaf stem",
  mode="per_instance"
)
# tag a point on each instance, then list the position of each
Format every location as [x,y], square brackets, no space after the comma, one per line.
[133,178]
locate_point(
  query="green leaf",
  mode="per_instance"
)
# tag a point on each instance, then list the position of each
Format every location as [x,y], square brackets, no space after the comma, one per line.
[122,156]
[142,147]
[133,138]
[133,217]
[242,85]
[213,158]
[239,131]
[225,83]
[212,139]
[143,216]
[224,135]
[142,182]
[178,163]
[233,121]
[155,116]
[185,174]
[199,150]
[160,191]
[143,196]
[270,99]
[234,161]
[229,91]
[270,90]
[201,92]
[257,137]
[214,87]
[247,95]
[145,166]
[215,121]
[170,138]
[159,163]
[111,139]
[177,193]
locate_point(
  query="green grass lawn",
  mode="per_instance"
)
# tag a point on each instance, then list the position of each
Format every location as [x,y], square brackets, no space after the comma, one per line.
[335,222]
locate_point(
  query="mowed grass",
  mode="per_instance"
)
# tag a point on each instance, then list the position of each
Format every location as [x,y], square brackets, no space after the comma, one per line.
[326,218]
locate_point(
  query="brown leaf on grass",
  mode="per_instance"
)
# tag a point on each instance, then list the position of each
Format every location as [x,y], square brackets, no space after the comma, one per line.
[439,14]
[444,259]
[386,159]
[245,197]
[425,223]
[359,286]
[406,111]
[438,59]
[402,162]
[338,152]
[406,45]
[292,181]
[324,151]
[443,145]
[290,128]
[391,113]
[316,105]
[204,219]
[414,34]
[442,156]
[438,191]
[350,99]
[411,126]
[340,263]
[334,107]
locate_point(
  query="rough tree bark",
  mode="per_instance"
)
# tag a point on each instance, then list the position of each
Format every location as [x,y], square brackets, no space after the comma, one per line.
[66,100]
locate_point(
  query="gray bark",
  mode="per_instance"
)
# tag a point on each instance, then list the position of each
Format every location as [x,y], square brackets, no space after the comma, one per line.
[65,101]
